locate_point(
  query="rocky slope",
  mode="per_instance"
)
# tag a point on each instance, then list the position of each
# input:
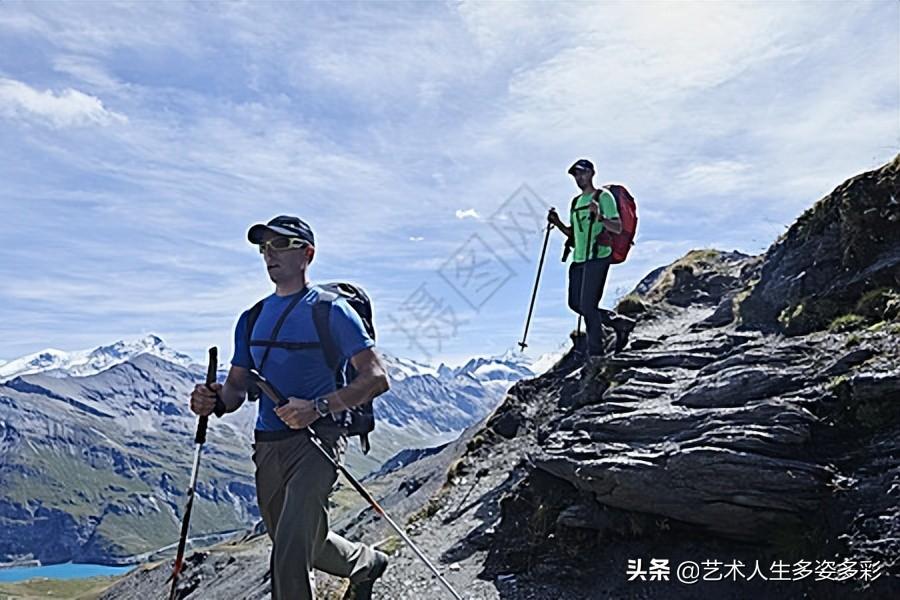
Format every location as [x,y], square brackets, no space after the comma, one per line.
[768,464]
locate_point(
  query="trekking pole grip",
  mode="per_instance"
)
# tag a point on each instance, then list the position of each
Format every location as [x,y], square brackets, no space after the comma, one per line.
[200,438]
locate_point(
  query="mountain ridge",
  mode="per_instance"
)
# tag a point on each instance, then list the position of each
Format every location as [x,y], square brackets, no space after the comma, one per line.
[114,419]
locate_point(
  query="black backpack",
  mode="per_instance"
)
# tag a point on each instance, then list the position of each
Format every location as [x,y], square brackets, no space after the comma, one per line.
[359,420]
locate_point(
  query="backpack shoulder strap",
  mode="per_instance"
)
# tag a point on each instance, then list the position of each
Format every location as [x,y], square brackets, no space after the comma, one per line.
[322,319]
[252,317]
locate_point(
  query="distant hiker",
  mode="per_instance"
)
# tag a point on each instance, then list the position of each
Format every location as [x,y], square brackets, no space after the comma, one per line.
[592,212]
[293,481]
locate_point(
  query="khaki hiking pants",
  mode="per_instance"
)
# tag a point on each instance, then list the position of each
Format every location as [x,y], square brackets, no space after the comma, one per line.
[293,482]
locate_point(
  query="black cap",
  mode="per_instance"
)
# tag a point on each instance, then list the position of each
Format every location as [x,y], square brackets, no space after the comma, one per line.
[283,225]
[581,165]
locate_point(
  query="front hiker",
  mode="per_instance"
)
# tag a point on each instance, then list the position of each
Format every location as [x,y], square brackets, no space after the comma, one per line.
[293,481]
[592,213]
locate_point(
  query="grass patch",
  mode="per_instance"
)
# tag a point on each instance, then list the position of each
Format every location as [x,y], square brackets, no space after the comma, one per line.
[631,305]
[391,545]
[426,512]
[73,589]
[456,470]
[846,323]
[879,304]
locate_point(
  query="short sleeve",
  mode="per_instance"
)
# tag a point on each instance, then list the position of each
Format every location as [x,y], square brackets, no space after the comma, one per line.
[241,357]
[349,332]
[608,205]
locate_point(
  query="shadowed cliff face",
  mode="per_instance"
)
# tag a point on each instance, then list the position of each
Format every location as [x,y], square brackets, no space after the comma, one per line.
[840,258]
[712,437]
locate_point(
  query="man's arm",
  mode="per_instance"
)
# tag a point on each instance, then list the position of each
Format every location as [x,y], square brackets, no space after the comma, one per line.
[613,225]
[607,214]
[371,380]
[234,392]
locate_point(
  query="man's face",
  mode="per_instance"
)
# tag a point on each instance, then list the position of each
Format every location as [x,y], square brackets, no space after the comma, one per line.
[582,177]
[283,265]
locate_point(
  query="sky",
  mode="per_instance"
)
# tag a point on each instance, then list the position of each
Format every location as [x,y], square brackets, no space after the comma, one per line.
[423,142]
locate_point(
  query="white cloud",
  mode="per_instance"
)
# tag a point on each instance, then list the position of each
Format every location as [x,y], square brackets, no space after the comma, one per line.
[68,108]
[717,177]
[378,120]
[469,213]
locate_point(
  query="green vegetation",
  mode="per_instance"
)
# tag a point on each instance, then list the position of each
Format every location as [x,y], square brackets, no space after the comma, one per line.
[810,314]
[846,323]
[631,305]
[695,262]
[346,500]
[86,485]
[73,589]
[739,298]
[476,442]
[879,304]
[391,545]
[426,512]
[456,469]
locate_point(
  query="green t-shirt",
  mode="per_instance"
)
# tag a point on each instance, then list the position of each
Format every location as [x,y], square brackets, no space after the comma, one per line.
[581,223]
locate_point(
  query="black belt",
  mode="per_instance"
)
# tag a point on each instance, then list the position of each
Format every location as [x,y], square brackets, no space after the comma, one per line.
[275,436]
[284,434]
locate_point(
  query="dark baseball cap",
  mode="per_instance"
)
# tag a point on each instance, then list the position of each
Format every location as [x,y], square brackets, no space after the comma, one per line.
[283,225]
[581,165]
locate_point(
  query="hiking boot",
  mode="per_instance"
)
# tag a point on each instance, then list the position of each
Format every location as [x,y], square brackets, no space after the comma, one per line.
[362,590]
[591,384]
[592,367]
[623,327]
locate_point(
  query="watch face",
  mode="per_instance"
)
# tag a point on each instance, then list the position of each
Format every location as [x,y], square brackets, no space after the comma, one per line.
[322,406]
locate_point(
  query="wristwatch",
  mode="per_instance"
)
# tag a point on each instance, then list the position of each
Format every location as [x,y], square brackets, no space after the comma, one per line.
[322,407]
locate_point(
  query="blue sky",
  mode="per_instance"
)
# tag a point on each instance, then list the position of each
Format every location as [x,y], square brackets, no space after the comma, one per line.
[139,141]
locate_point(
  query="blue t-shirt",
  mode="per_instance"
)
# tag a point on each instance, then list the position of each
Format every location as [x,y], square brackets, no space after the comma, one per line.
[300,373]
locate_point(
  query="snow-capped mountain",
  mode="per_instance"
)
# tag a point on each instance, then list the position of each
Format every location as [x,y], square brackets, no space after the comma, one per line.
[403,368]
[59,363]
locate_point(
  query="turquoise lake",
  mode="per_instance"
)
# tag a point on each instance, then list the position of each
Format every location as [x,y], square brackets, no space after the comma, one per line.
[61,571]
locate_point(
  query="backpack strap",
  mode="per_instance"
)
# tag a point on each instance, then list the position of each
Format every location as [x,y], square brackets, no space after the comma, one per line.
[570,242]
[596,241]
[605,237]
[322,319]
[272,342]
[252,317]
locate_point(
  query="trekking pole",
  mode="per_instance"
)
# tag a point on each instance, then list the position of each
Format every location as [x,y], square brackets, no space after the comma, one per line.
[199,440]
[280,400]
[536,282]
[588,251]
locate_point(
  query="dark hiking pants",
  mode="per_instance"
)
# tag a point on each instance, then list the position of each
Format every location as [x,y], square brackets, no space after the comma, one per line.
[586,282]
[293,482]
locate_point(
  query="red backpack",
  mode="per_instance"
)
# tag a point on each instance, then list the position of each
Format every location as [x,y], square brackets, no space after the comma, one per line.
[622,242]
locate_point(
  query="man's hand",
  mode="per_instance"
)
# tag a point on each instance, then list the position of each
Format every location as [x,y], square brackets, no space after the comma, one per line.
[203,399]
[297,413]
[594,209]
[553,218]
